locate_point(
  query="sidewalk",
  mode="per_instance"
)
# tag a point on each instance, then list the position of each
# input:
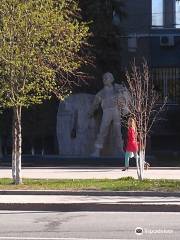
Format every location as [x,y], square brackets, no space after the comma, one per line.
[91,173]
[89,201]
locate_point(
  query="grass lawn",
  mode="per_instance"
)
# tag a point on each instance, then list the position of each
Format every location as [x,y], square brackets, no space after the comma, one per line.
[123,184]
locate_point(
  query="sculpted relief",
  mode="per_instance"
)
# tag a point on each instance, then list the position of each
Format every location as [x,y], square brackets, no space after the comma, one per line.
[81,132]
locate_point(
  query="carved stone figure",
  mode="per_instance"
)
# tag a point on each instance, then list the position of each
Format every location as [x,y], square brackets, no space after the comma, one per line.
[113,102]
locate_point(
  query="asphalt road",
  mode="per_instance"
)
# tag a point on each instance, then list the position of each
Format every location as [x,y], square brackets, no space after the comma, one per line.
[88,225]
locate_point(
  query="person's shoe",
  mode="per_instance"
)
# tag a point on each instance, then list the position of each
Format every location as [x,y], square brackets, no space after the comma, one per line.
[125,168]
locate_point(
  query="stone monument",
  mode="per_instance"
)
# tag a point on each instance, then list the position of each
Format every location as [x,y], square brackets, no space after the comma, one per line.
[113,102]
[81,133]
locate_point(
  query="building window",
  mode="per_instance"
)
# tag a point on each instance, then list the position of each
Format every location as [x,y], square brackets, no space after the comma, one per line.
[157,13]
[177,14]
[167,83]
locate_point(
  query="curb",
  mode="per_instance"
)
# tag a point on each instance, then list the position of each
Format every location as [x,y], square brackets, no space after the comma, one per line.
[87,167]
[90,193]
[103,207]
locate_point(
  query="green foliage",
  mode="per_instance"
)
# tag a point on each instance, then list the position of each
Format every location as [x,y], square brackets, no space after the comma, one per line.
[39,40]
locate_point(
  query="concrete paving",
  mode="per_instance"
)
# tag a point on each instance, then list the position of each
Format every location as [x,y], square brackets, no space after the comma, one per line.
[54,199]
[88,202]
[91,173]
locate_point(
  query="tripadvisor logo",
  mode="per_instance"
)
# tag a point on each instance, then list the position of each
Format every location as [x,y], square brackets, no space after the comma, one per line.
[139,231]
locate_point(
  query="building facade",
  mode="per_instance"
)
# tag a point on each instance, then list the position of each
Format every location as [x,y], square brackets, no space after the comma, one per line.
[151,30]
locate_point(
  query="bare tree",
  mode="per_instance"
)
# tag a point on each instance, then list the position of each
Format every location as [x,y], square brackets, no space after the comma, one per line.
[144,106]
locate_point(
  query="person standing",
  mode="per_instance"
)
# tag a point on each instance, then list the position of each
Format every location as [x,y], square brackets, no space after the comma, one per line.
[131,148]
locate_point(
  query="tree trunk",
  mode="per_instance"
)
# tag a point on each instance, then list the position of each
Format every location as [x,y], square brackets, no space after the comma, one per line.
[138,166]
[141,164]
[13,149]
[141,159]
[17,145]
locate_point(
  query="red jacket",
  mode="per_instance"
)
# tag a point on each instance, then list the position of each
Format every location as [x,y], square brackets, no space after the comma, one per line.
[132,145]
